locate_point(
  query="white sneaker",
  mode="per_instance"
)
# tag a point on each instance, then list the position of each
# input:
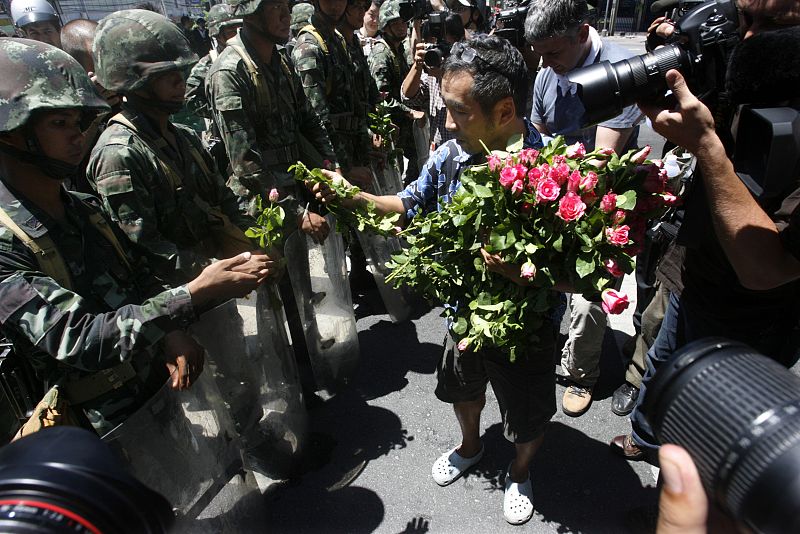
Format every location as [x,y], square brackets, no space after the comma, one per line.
[451,465]
[518,500]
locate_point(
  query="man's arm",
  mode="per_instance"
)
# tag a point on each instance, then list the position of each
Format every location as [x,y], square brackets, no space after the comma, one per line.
[196,101]
[748,235]
[616,138]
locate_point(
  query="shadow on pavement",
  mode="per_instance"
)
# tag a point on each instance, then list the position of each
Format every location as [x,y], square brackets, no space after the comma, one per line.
[388,353]
[578,484]
[314,510]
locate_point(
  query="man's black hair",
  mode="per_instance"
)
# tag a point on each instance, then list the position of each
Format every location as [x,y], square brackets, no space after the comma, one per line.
[497,68]
[753,76]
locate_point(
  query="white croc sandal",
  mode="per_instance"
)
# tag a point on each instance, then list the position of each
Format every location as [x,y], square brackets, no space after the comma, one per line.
[452,465]
[518,500]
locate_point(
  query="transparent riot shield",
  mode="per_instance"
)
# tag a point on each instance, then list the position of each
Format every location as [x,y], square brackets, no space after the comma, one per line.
[378,250]
[388,179]
[322,292]
[181,444]
[281,429]
[251,359]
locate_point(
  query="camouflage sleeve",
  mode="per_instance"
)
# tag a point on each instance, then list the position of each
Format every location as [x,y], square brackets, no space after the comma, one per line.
[311,127]
[122,177]
[382,69]
[309,63]
[196,101]
[232,103]
[67,327]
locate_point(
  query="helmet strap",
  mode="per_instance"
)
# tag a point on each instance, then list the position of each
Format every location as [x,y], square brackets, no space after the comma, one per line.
[149,102]
[52,168]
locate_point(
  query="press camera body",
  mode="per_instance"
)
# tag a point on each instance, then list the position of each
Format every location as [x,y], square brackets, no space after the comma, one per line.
[435,54]
[415,9]
[510,22]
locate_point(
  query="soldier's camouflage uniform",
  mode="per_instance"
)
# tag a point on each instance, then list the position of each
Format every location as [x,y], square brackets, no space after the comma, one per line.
[196,101]
[262,141]
[112,313]
[365,89]
[170,224]
[328,79]
[160,195]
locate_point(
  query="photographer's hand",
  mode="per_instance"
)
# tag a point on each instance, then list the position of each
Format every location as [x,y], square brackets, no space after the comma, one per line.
[683,505]
[690,124]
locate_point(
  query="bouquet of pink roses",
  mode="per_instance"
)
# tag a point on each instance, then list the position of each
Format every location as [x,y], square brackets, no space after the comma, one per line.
[560,214]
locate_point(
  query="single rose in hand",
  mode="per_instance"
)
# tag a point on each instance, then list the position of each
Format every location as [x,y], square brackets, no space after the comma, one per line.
[614,303]
[274,195]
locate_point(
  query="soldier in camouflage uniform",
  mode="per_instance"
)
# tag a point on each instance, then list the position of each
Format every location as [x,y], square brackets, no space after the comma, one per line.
[222,25]
[389,67]
[74,300]
[301,17]
[327,73]
[156,181]
[261,112]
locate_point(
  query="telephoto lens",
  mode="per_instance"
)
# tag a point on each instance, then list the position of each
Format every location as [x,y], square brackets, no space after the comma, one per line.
[737,413]
[65,479]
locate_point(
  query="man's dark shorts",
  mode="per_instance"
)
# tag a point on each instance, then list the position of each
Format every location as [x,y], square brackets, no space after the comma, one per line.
[525,389]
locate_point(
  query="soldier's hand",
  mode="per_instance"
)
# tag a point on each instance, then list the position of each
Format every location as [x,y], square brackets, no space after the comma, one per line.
[362,176]
[261,264]
[184,358]
[316,226]
[219,281]
[322,192]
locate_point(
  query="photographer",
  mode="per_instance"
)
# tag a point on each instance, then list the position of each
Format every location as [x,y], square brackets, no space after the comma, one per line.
[740,281]
[483,86]
[560,32]
[421,88]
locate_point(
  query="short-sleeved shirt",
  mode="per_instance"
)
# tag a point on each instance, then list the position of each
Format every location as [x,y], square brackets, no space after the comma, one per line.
[561,112]
[439,179]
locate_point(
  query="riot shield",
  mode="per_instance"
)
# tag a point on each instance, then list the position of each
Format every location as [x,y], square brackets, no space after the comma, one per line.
[283,424]
[388,179]
[181,444]
[251,359]
[378,251]
[322,292]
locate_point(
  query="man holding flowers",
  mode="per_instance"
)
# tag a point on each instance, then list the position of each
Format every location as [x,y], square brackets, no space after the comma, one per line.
[483,86]
[560,32]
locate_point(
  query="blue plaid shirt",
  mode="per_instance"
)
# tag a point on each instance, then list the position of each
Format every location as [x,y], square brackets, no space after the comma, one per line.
[434,187]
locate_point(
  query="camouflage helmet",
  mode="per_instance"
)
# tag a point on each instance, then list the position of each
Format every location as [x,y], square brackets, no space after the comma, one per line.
[301,15]
[390,10]
[132,45]
[38,76]
[220,16]
[242,8]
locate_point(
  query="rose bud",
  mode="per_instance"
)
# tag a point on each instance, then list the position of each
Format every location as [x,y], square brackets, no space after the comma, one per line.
[613,268]
[463,344]
[576,150]
[609,203]
[527,271]
[274,195]
[618,235]
[614,303]
[640,156]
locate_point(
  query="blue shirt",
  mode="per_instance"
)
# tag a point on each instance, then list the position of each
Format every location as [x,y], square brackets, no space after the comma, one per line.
[440,177]
[562,114]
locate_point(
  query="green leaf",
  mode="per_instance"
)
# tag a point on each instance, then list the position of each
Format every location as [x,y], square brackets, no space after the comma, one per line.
[481,191]
[584,267]
[626,200]
[460,326]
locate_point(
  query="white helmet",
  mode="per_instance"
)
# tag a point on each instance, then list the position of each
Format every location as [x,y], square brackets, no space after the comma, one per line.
[25,12]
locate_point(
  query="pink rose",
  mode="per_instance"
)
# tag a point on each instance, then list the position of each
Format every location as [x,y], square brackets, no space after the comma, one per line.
[589,198]
[618,217]
[528,155]
[494,162]
[613,268]
[589,182]
[522,171]
[508,176]
[670,199]
[640,156]
[534,175]
[606,151]
[576,151]
[273,195]
[614,303]
[547,190]
[574,181]
[463,344]
[618,235]
[558,159]
[517,187]
[527,271]
[609,203]
[560,173]
[571,207]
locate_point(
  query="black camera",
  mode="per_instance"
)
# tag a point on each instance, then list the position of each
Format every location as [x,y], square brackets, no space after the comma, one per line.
[415,9]
[737,413]
[434,28]
[510,22]
[700,48]
[64,479]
